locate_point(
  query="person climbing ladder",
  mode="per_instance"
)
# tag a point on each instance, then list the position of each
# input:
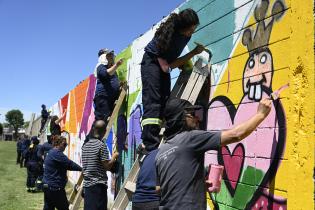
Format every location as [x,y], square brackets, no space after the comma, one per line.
[161,55]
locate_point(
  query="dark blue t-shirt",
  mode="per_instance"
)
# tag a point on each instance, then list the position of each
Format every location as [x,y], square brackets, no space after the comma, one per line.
[146,182]
[31,155]
[178,43]
[55,169]
[44,149]
[107,85]
[44,114]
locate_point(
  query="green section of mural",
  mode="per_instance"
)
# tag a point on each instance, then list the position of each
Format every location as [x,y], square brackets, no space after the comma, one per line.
[245,189]
[123,69]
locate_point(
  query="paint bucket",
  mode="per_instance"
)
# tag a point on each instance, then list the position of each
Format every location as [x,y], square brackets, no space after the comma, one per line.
[215,177]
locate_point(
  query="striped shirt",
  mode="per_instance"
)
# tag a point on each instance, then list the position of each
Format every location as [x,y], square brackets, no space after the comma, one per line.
[93,153]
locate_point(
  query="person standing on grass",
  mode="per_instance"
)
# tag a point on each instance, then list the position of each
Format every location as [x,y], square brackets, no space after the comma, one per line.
[26,142]
[32,164]
[19,150]
[55,175]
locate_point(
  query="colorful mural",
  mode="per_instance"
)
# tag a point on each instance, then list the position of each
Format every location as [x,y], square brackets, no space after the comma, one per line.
[250,41]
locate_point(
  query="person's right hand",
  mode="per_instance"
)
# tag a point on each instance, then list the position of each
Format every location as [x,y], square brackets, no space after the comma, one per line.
[198,49]
[115,156]
[264,107]
[119,62]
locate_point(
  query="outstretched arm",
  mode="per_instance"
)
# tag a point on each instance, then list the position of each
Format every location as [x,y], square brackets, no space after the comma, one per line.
[182,60]
[241,131]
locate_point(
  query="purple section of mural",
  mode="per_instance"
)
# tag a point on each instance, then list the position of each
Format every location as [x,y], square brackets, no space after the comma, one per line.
[121,132]
[88,106]
[135,127]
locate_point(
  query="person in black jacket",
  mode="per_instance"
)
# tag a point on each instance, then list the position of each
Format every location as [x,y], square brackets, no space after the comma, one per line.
[26,142]
[32,164]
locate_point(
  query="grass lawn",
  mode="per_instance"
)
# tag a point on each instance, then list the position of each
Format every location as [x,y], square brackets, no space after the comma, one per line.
[13,194]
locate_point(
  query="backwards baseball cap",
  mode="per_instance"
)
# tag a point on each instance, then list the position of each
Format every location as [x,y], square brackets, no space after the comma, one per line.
[174,114]
[104,51]
[175,107]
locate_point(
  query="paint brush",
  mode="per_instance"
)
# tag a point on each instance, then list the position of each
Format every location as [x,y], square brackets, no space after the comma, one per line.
[276,94]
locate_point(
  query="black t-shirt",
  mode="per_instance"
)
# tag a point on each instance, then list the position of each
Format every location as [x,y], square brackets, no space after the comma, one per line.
[180,169]
[178,43]
[55,130]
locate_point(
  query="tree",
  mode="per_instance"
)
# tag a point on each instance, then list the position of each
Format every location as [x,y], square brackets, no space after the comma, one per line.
[26,124]
[1,129]
[15,119]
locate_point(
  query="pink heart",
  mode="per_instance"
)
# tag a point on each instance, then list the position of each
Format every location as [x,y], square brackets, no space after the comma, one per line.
[233,164]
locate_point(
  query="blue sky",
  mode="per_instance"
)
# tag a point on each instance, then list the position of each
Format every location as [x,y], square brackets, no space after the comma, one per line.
[48,46]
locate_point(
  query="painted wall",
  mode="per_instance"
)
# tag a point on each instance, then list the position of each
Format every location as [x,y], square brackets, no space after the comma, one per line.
[258,47]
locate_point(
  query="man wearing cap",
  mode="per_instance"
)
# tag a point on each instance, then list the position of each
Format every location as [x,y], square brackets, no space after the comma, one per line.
[107,86]
[180,160]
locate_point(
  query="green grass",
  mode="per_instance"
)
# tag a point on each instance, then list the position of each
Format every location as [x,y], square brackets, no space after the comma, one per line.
[13,194]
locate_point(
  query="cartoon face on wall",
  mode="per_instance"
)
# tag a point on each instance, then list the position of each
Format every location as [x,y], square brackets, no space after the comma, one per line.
[258,71]
[258,74]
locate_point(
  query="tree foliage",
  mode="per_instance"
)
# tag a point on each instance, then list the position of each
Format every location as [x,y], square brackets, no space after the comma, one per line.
[15,119]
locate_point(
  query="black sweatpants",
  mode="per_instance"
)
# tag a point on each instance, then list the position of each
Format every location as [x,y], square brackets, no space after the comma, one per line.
[154,205]
[33,170]
[19,156]
[55,199]
[43,122]
[103,107]
[95,197]
[156,89]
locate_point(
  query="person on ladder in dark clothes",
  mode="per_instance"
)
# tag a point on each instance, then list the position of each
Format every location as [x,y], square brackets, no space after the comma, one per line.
[32,165]
[161,55]
[55,129]
[107,86]
[44,115]
[55,175]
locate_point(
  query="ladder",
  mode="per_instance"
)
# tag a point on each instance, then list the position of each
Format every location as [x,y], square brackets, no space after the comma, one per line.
[75,196]
[183,89]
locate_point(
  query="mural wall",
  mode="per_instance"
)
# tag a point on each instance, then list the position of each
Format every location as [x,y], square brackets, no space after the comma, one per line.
[252,43]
